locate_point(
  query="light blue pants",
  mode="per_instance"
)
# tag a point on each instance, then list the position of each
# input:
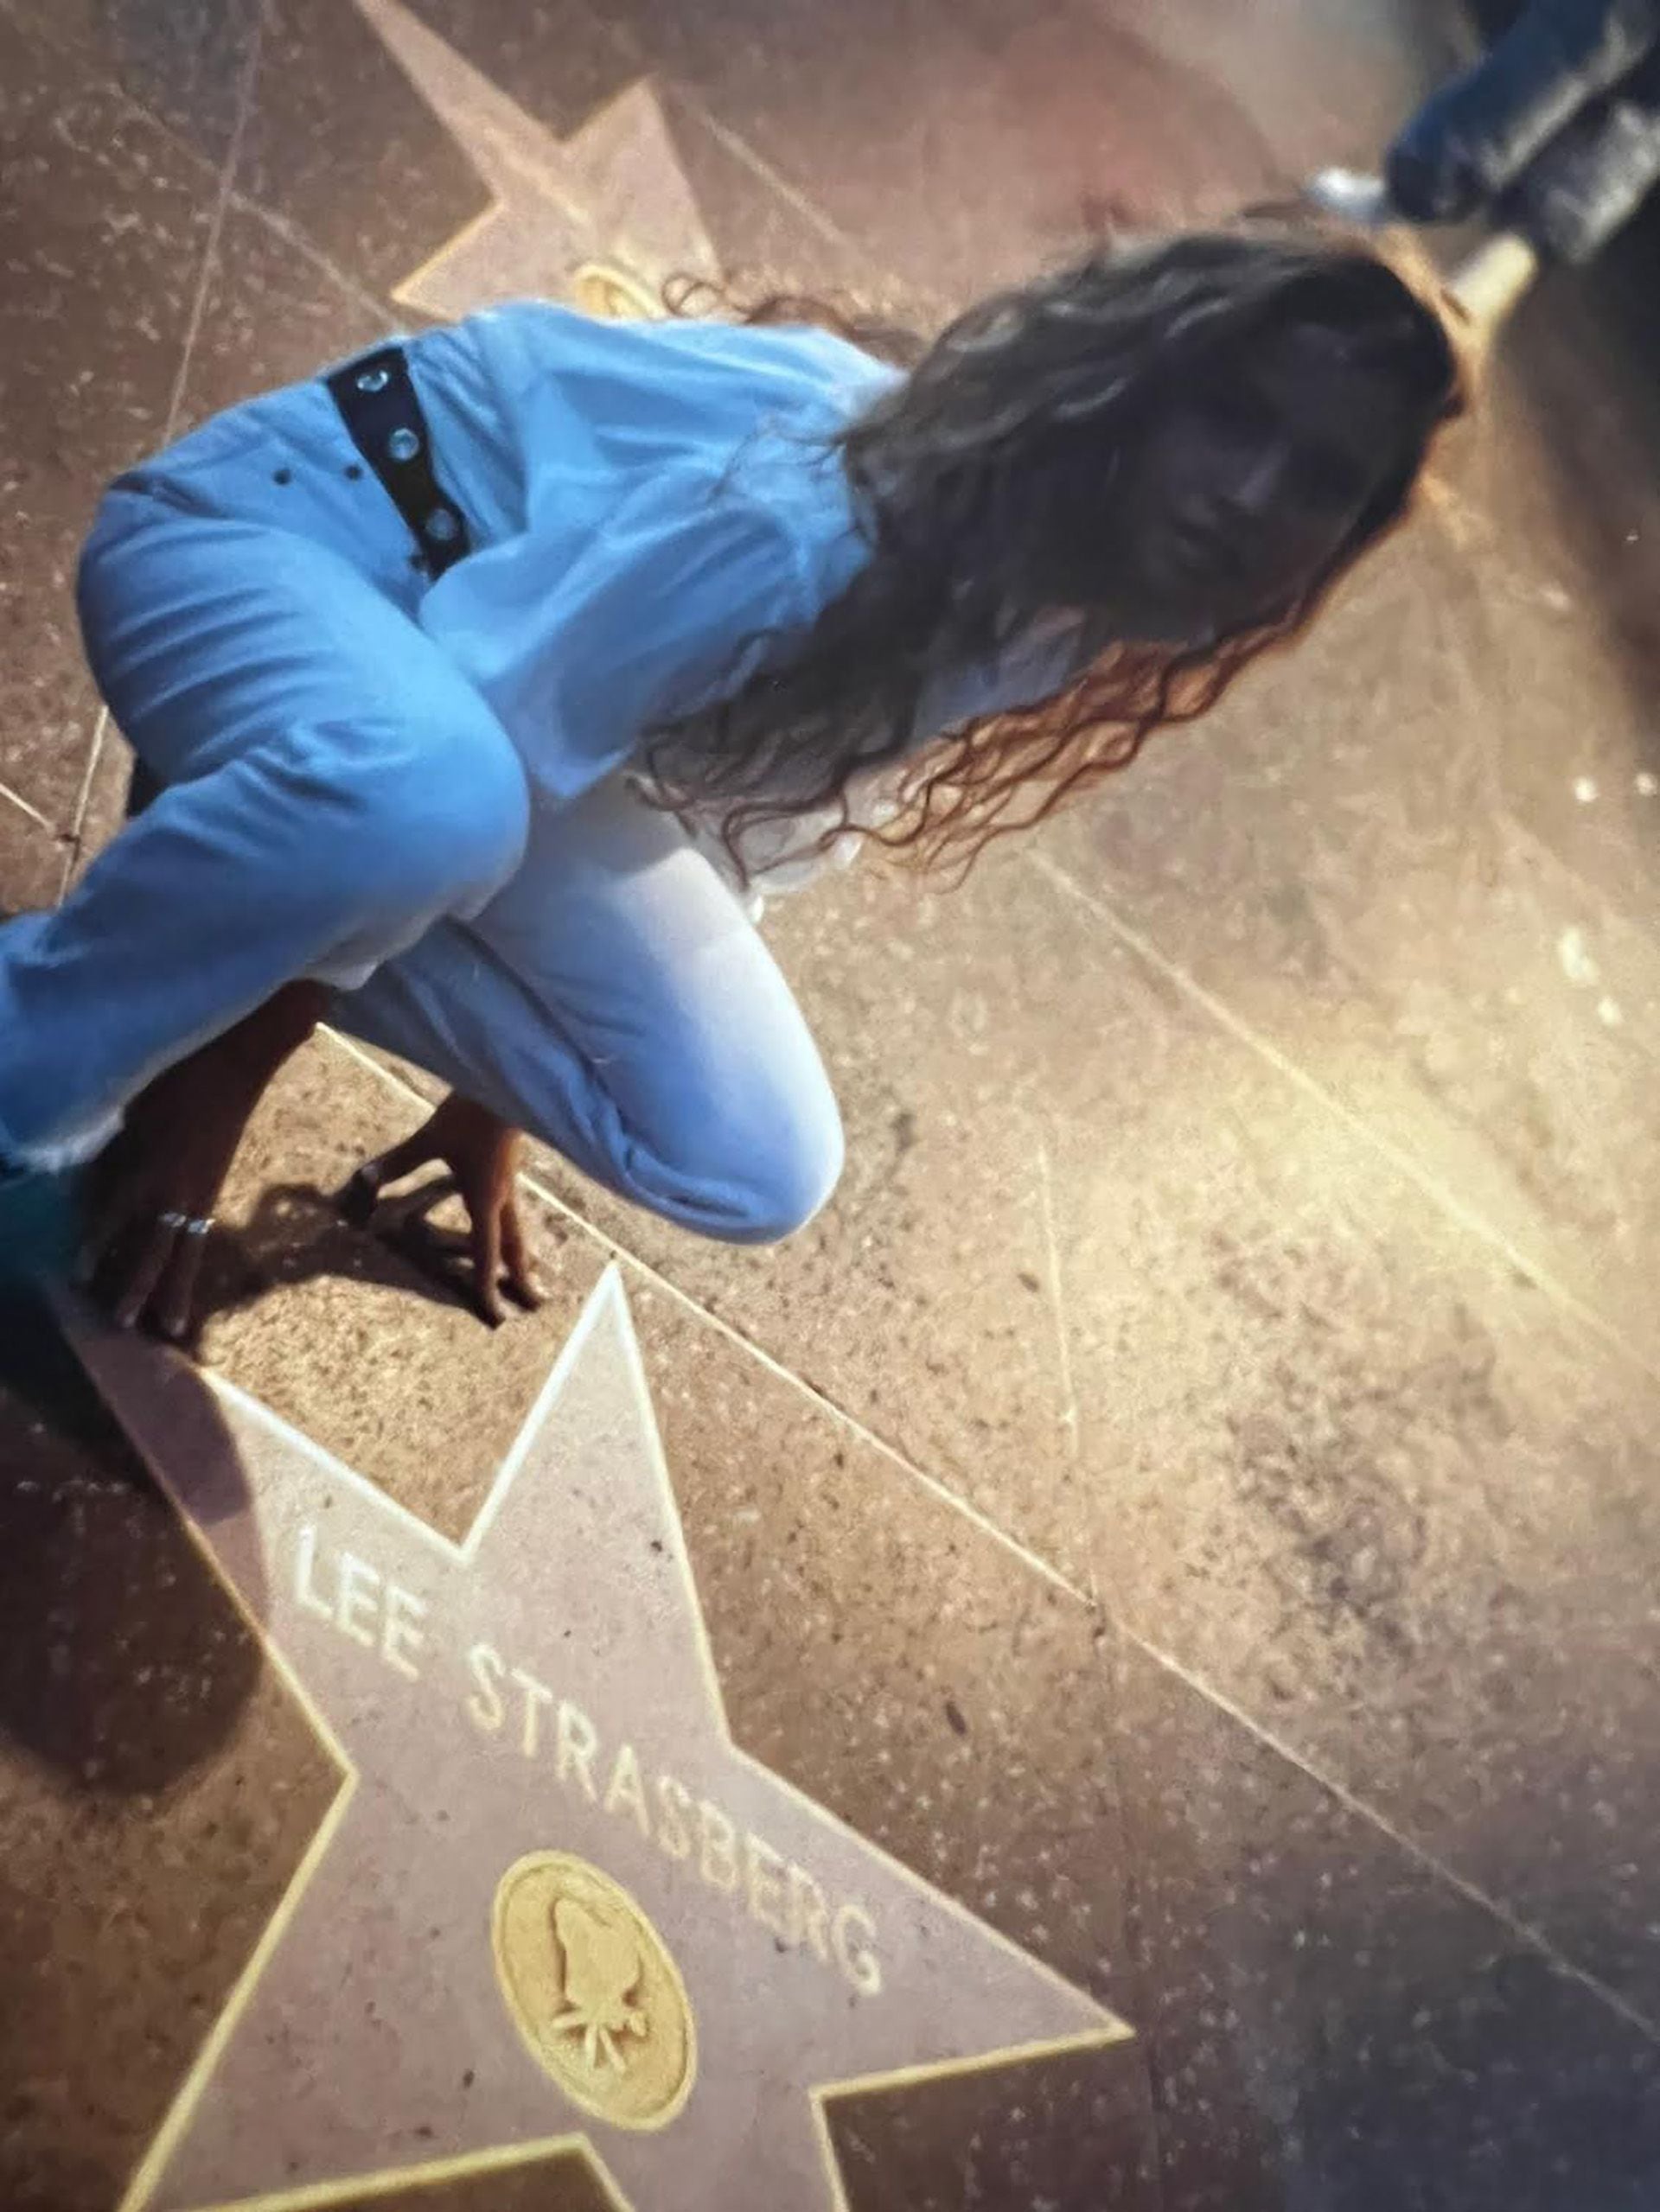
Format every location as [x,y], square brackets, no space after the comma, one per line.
[341,804]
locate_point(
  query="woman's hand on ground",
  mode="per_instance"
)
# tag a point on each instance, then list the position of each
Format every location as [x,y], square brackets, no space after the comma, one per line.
[150,1195]
[481,1153]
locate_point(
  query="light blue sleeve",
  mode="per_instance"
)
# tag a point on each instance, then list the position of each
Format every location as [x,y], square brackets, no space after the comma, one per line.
[670,599]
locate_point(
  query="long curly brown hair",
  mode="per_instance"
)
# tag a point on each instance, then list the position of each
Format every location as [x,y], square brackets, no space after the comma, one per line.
[979,485]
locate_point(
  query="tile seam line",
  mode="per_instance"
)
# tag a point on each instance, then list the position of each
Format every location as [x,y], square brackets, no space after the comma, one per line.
[243,202]
[226,186]
[224,192]
[73,835]
[293,236]
[30,814]
[1421,1854]
[1404,1162]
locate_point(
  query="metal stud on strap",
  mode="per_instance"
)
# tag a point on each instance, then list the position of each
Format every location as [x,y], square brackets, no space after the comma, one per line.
[381,410]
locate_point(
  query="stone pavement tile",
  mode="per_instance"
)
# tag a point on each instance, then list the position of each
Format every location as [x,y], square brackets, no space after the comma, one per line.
[1353,1470]
[31,860]
[1333,857]
[271,315]
[762,228]
[187,62]
[1086,2140]
[1330,2024]
[343,145]
[102,230]
[156,1790]
[1570,552]
[560,61]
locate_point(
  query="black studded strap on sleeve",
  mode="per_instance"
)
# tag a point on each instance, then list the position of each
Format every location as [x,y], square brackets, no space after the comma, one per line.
[377,402]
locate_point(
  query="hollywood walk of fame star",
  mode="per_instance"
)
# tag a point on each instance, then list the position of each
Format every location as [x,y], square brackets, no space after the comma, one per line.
[552,1903]
[616,192]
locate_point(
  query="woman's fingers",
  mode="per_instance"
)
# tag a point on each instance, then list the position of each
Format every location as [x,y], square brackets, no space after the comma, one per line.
[485,1211]
[520,1274]
[173,1304]
[362,1194]
[479,1153]
[138,1283]
[416,1151]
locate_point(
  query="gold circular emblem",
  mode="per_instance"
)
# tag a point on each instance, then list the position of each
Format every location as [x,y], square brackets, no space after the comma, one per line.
[593,1989]
[605,289]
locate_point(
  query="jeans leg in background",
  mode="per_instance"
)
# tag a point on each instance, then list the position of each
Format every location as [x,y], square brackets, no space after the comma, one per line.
[1473,138]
